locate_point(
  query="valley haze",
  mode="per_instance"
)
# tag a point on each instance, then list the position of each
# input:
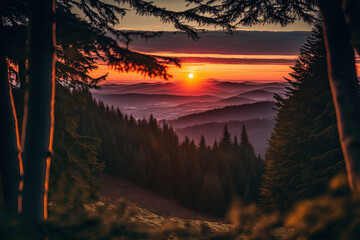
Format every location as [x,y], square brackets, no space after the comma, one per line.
[201,111]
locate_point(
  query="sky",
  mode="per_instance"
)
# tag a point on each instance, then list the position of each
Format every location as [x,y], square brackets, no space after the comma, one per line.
[134,21]
[258,53]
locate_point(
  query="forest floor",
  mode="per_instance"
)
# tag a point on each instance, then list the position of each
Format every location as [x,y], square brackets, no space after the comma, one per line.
[155,210]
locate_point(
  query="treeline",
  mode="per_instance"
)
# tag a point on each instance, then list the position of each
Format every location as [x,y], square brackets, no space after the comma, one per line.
[198,176]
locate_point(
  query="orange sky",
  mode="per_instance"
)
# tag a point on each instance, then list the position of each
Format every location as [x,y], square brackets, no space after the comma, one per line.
[245,56]
[203,71]
[207,70]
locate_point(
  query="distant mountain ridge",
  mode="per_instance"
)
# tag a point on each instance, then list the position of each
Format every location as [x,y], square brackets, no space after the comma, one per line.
[172,100]
[154,97]
[236,100]
[257,95]
[207,87]
[260,110]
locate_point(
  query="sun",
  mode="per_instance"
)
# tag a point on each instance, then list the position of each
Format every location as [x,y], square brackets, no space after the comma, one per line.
[192,82]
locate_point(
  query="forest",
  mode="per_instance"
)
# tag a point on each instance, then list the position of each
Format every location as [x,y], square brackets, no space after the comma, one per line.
[306,187]
[150,155]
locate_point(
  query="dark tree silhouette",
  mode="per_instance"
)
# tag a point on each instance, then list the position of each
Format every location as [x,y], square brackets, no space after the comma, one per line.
[11,166]
[304,152]
[202,143]
[244,141]
[344,86]
[225,141]
[39,132]
[235,143]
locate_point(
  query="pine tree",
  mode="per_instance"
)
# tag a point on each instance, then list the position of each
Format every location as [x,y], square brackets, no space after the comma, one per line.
[225,141]
[245,145]
[202,143]
[304,151]
[235,143]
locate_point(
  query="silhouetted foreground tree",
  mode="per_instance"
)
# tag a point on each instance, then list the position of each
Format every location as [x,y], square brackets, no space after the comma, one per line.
[10,150]
[341,23]
[40,117]
[304,151]
[10,159]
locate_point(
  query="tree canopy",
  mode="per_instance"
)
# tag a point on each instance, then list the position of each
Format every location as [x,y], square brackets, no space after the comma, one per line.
[86,36]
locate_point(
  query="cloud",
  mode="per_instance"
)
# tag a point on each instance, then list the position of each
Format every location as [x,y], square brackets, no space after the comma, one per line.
[218,42]
[256,61]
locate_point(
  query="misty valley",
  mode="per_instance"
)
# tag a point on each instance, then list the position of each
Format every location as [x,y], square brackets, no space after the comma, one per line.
[204,111]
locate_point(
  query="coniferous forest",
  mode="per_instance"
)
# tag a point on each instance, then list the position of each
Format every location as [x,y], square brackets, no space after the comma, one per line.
[202,177]
[59,143]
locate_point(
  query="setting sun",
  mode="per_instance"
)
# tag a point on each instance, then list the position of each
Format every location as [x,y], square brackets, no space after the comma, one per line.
[192,83]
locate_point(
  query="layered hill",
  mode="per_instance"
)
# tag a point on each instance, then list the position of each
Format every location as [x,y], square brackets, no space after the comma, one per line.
[172,100]
[260,110]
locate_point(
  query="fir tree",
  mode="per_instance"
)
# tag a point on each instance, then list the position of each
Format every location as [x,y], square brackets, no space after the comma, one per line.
[245,145]
[235,143]
[202,143]
[304,151]
[225,141]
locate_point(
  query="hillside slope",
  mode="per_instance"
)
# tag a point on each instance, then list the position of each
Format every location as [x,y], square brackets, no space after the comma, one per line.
[114,189]
[153,210]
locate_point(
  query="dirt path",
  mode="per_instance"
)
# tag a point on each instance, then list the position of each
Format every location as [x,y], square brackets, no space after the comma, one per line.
[114,189]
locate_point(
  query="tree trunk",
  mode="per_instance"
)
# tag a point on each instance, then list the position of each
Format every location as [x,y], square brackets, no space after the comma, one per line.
[24,94]
[344,86]
[11,167]
[40,120]
[352,16]
[22,73]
